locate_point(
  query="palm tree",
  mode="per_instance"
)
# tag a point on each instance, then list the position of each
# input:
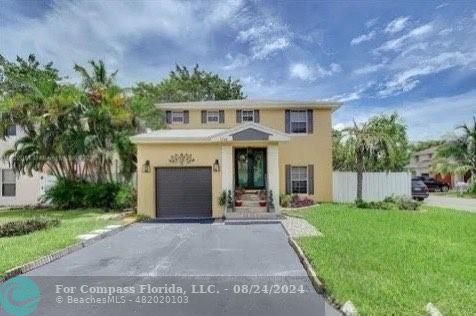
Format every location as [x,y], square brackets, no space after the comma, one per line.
[370,141]
[98,77]
[458,154]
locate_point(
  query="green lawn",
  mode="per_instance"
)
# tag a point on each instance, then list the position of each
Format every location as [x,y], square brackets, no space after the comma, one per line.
[18,250]
[395,262]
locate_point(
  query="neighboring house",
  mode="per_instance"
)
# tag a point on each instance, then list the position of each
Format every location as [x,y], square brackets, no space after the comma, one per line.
[215,146]
[18,190]
[420,165]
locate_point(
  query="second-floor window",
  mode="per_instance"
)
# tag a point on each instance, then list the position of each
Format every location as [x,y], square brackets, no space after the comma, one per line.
[177,117]
[213,116]
[12,130]
[247,116]
[298,122]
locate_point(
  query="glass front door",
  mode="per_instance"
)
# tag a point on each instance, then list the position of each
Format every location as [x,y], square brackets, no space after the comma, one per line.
[250,168]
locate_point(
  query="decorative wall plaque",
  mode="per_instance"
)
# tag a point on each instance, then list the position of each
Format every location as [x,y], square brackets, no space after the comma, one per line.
[182,159]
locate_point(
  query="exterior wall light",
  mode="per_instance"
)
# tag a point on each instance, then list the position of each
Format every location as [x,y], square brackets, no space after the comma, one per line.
[216,166]
[146,167]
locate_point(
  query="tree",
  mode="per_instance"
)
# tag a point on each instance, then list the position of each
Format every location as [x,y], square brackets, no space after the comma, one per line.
[74,132]
[198,85]
[458,153]
[374,143]
[425,144]
[344,160]
[98,77]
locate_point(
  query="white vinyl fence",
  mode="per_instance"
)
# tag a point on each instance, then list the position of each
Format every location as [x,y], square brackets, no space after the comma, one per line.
[375,187]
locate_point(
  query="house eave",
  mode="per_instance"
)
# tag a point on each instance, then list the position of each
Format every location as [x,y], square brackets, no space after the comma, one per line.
[250,104]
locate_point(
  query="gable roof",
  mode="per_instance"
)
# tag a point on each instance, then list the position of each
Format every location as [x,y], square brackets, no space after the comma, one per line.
[209,135]
[273,135]
[250,104]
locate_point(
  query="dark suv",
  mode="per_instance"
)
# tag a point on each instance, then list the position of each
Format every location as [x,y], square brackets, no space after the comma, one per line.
[433,184]
[419,189]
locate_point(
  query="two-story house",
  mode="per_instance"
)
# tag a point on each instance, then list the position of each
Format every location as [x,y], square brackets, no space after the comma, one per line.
[215,146]
[17,189]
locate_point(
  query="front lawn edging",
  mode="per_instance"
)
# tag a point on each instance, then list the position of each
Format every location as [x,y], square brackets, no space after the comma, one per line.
[302,208]
[24,268]
[316,283]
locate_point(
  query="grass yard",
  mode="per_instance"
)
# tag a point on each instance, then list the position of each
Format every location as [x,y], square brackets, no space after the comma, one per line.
[395,262]
[18,250]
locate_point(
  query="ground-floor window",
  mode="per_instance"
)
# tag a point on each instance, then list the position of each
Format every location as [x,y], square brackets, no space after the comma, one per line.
[299,179]
[8,182]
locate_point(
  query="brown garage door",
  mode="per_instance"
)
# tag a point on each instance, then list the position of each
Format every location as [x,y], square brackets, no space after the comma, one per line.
[184,192]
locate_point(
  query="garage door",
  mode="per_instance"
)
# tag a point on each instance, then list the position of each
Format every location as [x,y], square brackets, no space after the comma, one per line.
[184,192]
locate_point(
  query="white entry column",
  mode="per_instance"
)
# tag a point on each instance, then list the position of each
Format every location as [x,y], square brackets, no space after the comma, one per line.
[273,173]
[227,168]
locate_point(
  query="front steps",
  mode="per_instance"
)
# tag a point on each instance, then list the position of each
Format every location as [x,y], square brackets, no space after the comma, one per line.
[250,209]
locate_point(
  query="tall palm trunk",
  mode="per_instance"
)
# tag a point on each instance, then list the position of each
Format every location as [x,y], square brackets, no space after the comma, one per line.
[360,174]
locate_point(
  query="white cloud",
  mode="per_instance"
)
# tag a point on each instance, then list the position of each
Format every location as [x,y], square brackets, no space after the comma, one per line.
[397,25]
[238,61]
[444,4]
[265,49]
[74,32]
[371,22]
[370,68]
[415,34]
[265,39]
[445,31]
[424,118]
[363,38]
[311,73]
[301,71]
[408,79]
[354,95]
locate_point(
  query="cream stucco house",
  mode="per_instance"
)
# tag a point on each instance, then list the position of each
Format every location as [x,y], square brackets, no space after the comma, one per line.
[17,189]
[249,146]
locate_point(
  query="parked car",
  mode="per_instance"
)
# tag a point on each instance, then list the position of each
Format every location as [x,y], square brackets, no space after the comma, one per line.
[419,189]
[434,185]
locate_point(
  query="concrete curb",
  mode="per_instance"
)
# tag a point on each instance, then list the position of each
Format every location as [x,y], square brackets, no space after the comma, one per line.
[316,283]
[59,254]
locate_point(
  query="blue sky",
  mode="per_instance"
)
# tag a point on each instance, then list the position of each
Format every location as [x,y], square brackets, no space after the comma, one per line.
[417,58]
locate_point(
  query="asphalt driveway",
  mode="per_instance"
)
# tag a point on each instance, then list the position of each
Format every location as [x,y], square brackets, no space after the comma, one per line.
[224,269]
[464,204]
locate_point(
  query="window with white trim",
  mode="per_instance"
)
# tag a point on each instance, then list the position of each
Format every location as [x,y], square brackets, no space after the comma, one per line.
[177,117]
[298,121]
[8,182]
[213,116]
[248,116]
[299,179]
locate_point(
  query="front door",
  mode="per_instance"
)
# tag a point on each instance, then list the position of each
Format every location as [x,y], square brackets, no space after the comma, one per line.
[250,168]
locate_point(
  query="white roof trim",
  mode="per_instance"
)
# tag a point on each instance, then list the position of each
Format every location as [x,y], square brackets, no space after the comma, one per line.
[274,135]
[205,135]
[250,104]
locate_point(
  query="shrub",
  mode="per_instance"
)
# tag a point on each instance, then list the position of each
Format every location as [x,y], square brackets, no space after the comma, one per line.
[390,203]
[81,194]
[125,198]
[222,198]
[287,200]
[23,227]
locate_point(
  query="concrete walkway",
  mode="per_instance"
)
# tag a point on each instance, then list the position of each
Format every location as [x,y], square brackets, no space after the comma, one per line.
[463,204]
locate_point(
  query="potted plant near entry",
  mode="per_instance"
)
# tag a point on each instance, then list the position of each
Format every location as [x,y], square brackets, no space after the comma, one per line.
[262,198]
[238,195]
